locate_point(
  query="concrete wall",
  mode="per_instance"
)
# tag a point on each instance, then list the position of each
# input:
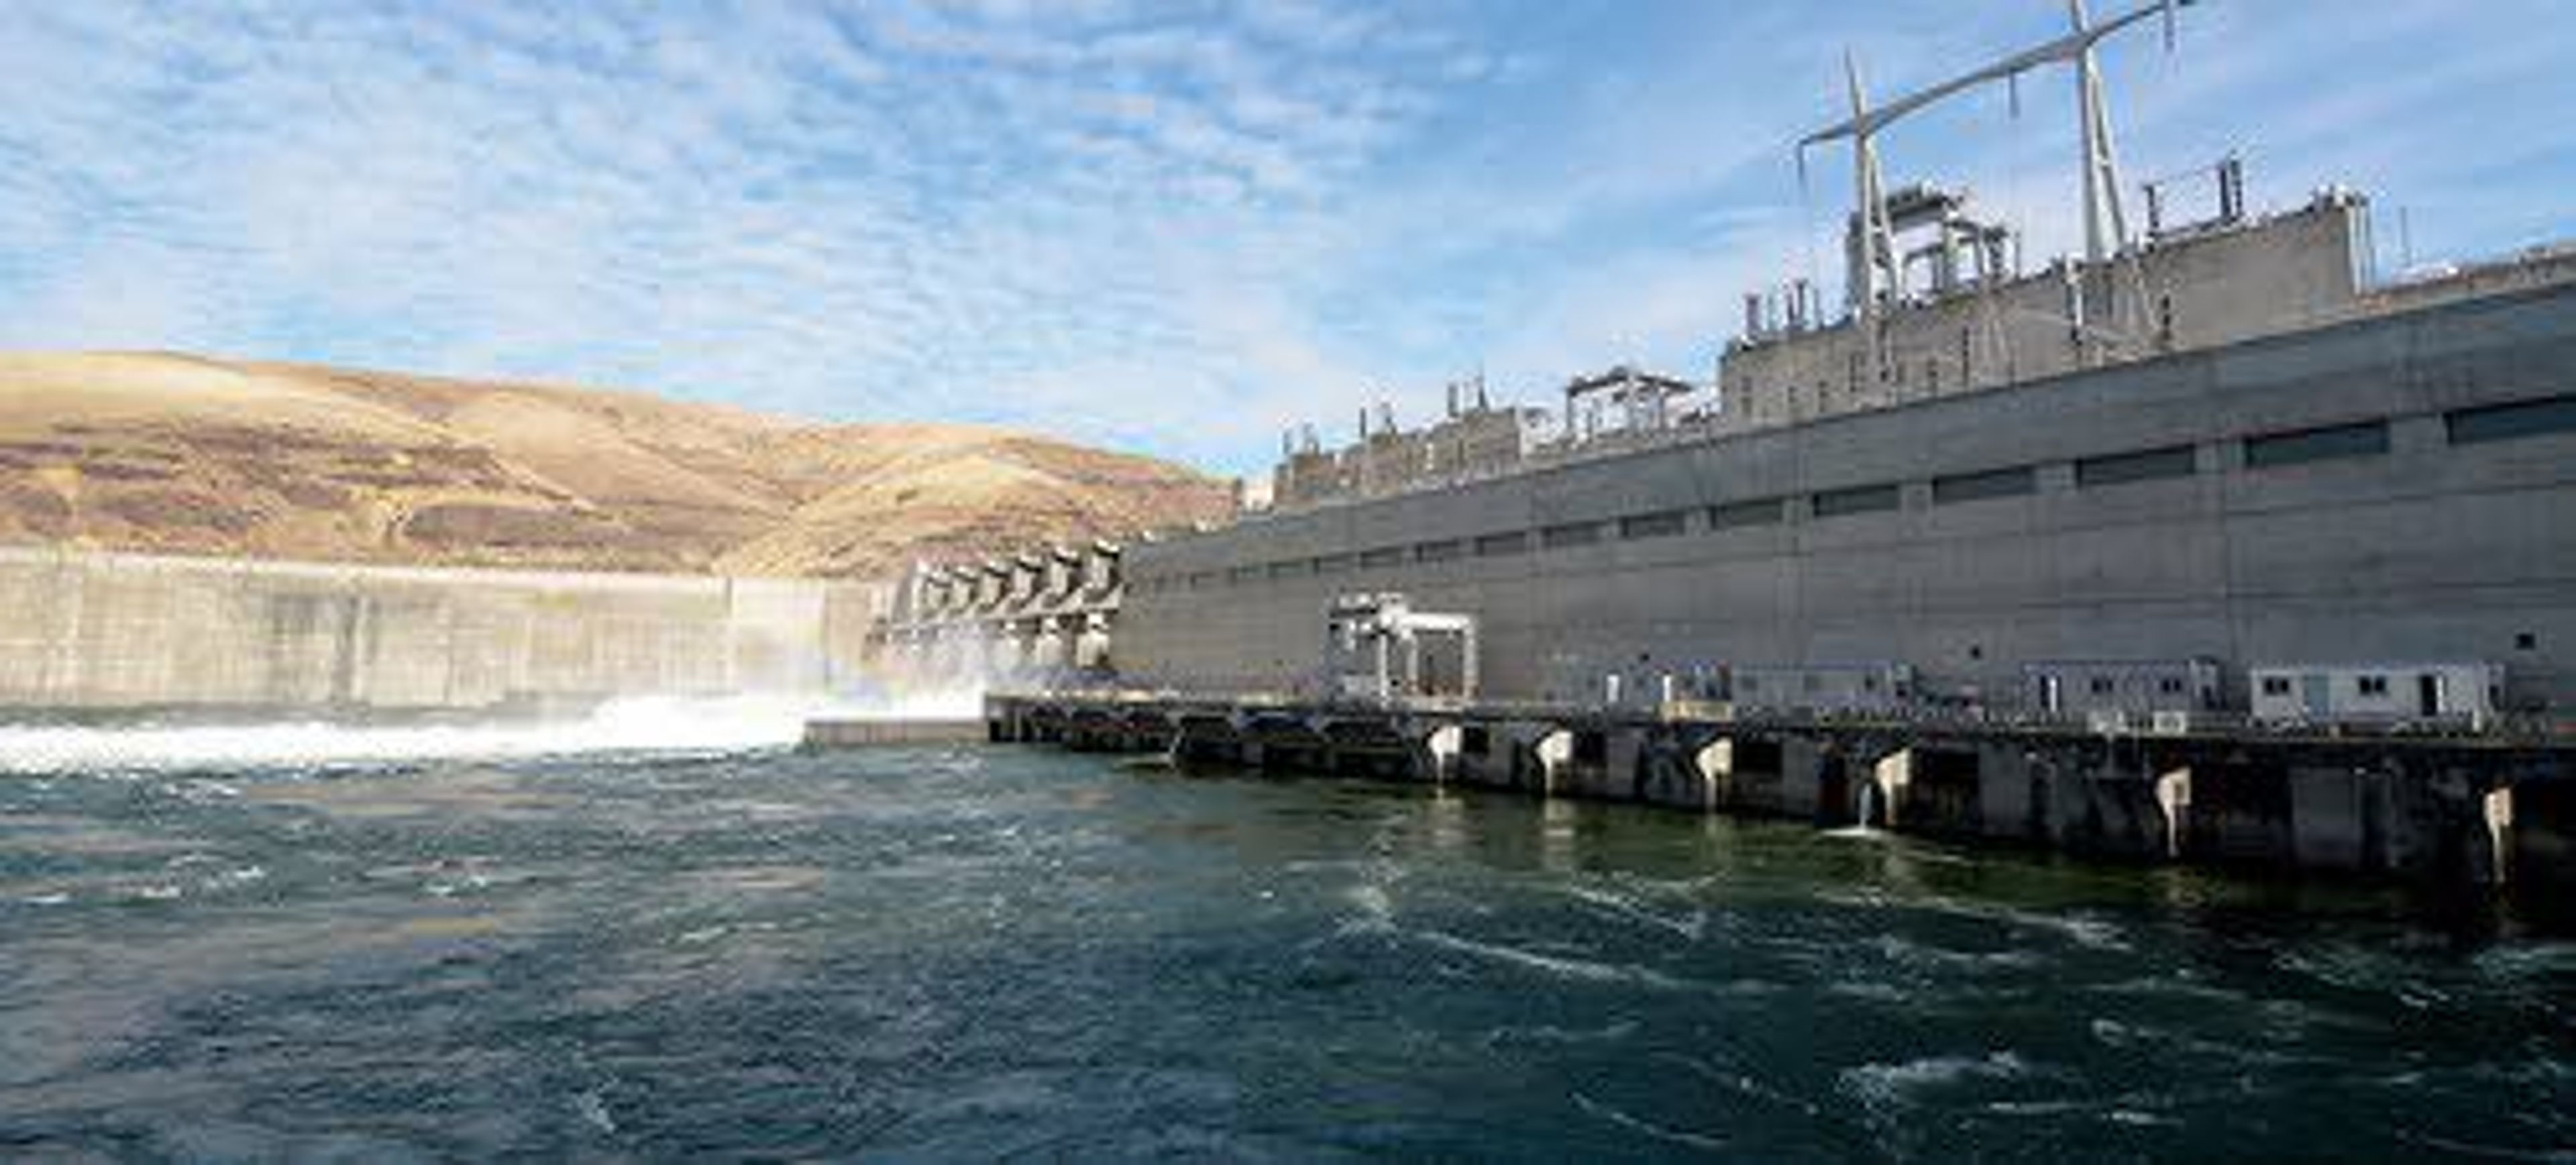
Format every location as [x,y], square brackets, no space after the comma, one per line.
[2429,550]
[90,631]
[2284,273]
[1475,442]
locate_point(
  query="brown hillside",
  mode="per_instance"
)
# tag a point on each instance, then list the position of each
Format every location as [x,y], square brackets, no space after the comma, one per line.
[182,454]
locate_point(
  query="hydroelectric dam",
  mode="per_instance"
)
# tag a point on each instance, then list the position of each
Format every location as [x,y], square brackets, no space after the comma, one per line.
[2213,542]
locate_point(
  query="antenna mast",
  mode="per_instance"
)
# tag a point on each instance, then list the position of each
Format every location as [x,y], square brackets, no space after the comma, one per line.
[2105,221]
[1873,241]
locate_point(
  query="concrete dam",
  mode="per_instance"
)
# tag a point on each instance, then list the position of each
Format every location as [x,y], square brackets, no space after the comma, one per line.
[2211,544]
[104,633]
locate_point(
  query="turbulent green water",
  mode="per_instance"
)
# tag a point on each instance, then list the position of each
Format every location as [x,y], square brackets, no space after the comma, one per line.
[970,954]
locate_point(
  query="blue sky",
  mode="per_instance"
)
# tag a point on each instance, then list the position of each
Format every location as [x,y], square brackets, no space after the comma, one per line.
[1173,227]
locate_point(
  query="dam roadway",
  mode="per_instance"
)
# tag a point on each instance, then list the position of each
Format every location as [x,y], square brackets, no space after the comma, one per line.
[2493,809]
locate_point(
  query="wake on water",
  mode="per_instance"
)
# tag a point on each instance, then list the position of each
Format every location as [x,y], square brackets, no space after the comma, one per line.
[639,724]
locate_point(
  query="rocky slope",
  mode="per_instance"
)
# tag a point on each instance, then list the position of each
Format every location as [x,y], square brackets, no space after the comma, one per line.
[181,454]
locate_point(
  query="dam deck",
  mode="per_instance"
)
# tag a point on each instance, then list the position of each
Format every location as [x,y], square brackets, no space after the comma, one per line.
[2488,808]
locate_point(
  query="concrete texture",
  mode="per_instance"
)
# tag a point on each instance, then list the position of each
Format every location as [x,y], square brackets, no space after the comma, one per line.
[2455,811]
[2431,549]
[108,632]
[2290,272]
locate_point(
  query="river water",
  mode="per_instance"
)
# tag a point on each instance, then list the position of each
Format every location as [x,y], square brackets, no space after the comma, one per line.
[974,953]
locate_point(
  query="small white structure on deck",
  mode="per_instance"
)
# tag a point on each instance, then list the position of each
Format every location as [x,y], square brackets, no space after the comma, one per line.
[1823,687]
[2377,693]
[2081,687]
[1377,647]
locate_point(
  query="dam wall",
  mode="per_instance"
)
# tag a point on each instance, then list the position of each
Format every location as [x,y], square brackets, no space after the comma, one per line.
[2373,493]
[101,632]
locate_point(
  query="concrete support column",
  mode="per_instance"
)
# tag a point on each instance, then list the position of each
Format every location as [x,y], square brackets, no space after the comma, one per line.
[1518,743]
[2497,814]
[1801,777]
[2326,817]
[1892,777]
[2005,806]
[2173,798]
[2103,806]
[1624,751]
[1555,759]
[1442,747]
[1714,764]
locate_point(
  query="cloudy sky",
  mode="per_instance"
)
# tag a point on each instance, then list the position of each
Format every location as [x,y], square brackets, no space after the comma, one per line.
[1177,227]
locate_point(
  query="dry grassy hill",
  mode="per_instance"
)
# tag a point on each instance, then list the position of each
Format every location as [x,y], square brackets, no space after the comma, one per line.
[182,454]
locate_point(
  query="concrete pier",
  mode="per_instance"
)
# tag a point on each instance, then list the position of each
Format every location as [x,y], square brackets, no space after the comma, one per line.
[2477,810]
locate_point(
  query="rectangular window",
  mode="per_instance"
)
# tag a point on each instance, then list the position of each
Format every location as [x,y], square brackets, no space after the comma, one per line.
[1203,579]
[1441,551]
[2124,468]
[2507,422]
[2276,686]
[1663,525]
[2373,685]
[2369,439]
[1381,557]
[1498,545]
[1289,569]
[1739,515]
[1243,574]
[1867,499]
[1977,487]
[1570,534]
[1333,564]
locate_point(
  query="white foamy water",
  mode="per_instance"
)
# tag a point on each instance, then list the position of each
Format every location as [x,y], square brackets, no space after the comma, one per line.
[642,724]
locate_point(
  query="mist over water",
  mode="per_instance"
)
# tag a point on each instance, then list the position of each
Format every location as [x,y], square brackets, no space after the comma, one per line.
[639,724]
[968,953]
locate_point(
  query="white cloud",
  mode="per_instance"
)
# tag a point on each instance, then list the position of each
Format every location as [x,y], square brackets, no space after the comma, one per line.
[1166,223]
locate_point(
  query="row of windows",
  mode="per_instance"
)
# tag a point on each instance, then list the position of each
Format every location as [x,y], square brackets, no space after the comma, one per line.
[1663,525]
[2144,465]
[2369,439]
[1742,515]
[1866,499]
[1978,487]
[2266,451]
[2507,422]
[2106,685]
[2363,685]
[1570,535]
